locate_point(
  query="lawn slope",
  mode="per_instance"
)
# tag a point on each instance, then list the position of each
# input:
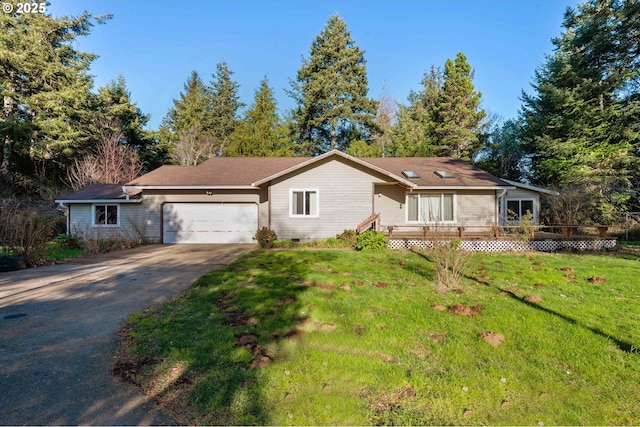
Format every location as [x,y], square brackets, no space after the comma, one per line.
[341,337]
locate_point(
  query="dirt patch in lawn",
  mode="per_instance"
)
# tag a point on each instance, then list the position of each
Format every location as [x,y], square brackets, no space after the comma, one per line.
[171,400]
[310,325]
[494,339]
[379,284]
[596,280]
[439,307]
[437,336]
[391,402]
[465,310]
[532,298]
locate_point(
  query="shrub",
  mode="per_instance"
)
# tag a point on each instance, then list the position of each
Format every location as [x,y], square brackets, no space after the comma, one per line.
[449,261]
[23,231]
[68,242]
[98,246]
[371,240]
[348,237]
[266,237]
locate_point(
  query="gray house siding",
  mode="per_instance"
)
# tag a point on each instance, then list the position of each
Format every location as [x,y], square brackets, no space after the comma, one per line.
[154,199]
[345,199]
[130,227]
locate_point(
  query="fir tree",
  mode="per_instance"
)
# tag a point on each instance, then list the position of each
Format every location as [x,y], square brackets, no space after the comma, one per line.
[331,92]
[224,105]
[46,90]
[261,133]
[187,128]
[582,123]
[444,118]
[120,115]
[459,118]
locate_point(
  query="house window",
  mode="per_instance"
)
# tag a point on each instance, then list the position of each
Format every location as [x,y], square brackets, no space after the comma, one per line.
[304,203]
[430,207]
[106,215]
[516,209]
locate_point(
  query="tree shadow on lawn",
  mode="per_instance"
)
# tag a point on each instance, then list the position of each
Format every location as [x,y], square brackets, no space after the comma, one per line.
[620,344]
[206,348]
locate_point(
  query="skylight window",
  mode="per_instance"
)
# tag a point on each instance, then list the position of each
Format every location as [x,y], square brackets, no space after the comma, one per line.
[445,174]
[411,174]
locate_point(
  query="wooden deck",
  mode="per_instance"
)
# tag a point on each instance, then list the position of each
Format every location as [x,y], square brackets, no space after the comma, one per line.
[493,233]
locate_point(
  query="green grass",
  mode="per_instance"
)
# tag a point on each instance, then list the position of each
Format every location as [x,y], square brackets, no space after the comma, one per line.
[58,252]
[353,338]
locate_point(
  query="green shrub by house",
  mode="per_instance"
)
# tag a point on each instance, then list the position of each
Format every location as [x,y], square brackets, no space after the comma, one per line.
[371,240]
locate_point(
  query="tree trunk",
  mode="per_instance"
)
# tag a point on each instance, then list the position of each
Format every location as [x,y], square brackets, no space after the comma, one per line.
[7,113]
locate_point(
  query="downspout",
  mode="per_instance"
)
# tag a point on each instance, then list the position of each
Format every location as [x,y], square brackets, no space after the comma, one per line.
[499,197]
[124,190]
[67,214]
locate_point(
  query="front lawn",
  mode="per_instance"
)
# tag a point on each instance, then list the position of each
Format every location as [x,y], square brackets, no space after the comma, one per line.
[342,337]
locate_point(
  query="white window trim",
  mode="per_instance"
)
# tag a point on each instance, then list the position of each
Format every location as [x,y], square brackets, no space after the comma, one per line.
[455,208]
[93,215]
[519,200]
[297,190]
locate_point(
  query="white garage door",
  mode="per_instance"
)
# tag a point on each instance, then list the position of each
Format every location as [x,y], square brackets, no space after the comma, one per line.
[209,222]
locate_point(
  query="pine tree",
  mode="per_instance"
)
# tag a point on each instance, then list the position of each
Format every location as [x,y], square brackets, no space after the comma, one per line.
[444,118]
[261,133]
[119,115]
[503,152]
[582,124]
[414,133]
[186,131]
[46,90]
[331,92]
[224,106]
[459,118]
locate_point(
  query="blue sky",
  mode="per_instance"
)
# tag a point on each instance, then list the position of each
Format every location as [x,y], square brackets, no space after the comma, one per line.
[156,44]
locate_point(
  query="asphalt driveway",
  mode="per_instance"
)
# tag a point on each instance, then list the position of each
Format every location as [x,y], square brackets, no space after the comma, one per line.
[58,327]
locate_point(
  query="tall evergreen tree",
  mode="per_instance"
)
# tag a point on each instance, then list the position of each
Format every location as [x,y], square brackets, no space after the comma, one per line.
[121,116]
[331,92]
[188,125]
[224,105]
[414,133]
[46,94]
[459,118]
[582,124]
[192,108]
[261,133]
[445,117]
[503,153]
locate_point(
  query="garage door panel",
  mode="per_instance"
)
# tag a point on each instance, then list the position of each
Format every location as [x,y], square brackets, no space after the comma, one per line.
[209,222]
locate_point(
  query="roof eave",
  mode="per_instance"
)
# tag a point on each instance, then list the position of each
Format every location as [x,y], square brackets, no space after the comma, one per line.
[69,201]
[532,187]
[465,187]
[192,187]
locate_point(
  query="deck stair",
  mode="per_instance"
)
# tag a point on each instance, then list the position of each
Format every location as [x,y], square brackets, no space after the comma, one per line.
[372,219]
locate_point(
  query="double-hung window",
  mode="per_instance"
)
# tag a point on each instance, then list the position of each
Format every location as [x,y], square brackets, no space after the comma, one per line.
[430,207]
[303,203]
[517,208]
[106,215]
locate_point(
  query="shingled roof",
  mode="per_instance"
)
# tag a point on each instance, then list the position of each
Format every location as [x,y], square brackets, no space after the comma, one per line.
[255,171]
[112,192]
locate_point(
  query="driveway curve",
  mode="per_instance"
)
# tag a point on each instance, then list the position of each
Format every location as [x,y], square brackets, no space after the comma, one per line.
[59,324]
